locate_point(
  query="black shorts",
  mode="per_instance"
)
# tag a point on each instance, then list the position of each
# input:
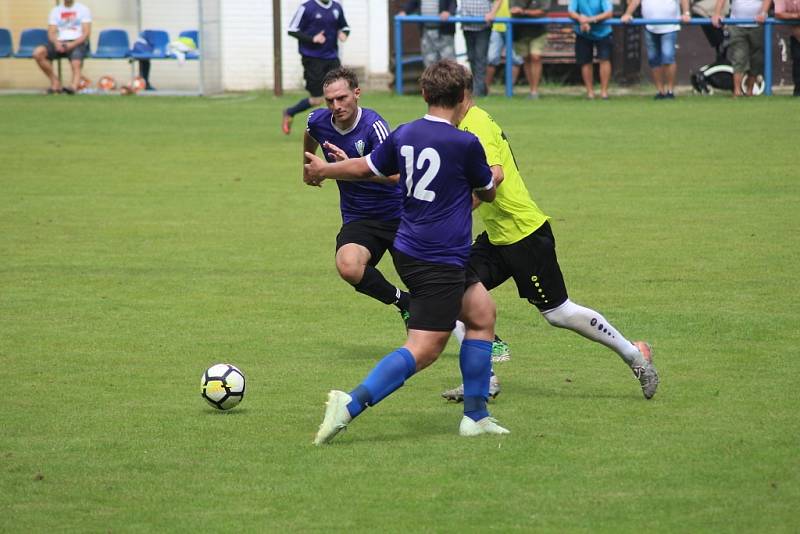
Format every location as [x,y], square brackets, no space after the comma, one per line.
[584,49]
[375,236]
[314,70]
[531,262]
[79,52]
[436,292]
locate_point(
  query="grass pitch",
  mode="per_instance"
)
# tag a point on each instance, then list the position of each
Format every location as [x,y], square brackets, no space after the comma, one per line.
[144,239]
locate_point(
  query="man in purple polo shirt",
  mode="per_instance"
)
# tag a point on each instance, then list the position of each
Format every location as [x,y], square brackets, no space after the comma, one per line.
[439,167]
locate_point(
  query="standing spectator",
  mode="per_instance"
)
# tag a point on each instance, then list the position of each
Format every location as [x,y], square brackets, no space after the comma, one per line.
[529,39]
[497,45]
[317,24]
[68,32]
[477,36]
[590,35]
[661,39]
[788,10]
[438,40]
[747,42]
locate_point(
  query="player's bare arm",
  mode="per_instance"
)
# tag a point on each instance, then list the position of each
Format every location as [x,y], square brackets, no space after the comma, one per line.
[355,169]
[309,147]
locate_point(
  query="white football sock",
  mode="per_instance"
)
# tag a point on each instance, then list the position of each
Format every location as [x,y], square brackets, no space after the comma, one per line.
[594,326]
[459,331]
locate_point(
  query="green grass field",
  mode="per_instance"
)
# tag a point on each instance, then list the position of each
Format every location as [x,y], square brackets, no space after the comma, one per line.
[143,239]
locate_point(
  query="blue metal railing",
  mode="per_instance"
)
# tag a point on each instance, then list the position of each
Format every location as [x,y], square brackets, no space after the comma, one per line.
[399,20]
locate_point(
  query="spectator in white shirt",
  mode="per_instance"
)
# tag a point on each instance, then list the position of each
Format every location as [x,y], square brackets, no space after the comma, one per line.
[661,40]
[68,33]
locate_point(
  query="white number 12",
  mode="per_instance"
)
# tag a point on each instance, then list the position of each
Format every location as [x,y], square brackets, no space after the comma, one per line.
[428,155]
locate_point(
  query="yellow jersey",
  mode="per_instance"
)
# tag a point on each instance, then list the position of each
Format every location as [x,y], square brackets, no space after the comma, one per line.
[513,215]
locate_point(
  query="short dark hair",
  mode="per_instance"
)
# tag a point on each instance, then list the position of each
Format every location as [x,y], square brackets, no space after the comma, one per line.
[341,73]
[442,84]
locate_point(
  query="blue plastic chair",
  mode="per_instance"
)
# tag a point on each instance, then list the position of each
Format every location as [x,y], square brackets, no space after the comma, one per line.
[194,35]
[28,41]
[158,39]
[6,46]
[112,44]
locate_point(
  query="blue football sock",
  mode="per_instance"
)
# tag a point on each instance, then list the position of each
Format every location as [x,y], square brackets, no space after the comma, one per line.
[388,375]
[475,359]
[301,105]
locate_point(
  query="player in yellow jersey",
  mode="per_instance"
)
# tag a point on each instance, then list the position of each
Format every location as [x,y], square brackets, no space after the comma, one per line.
[518,243]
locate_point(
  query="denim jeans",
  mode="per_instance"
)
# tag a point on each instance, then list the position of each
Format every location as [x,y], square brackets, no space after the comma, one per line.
[478,53]
[497,43]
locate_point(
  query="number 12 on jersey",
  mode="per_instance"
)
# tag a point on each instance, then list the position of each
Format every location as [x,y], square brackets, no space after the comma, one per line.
[426,155]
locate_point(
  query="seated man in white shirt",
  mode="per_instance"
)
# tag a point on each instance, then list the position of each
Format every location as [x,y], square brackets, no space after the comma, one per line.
[68,33]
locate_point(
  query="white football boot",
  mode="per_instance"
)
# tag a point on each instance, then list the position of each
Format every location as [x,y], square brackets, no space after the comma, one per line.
[336,417]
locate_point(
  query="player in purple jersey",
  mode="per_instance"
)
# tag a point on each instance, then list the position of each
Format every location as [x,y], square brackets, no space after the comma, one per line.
[318,25]
[370,211]
[439,166]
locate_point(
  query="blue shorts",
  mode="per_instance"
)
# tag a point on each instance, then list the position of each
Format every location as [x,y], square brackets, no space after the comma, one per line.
[660,48]
[497,42]
[584,49]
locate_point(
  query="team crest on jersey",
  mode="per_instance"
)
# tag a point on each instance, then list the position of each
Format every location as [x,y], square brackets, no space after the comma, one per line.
[336,13]
[318,16]
[360,145]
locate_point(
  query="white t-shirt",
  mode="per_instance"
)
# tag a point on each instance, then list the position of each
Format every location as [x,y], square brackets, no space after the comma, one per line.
[68,20]
[745,9]
[661,9]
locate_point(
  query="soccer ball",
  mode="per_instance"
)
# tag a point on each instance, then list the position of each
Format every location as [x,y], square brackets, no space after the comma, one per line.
[222,385]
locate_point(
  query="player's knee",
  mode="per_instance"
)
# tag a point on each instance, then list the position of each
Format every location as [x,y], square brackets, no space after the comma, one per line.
[39,52]
[558,317]
[350,271]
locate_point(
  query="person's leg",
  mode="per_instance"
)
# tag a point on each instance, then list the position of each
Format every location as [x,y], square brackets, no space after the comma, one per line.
[430,46]
[480,50]
[447,46]
[755,38]
[604,47]
[651,41]
[795,50]
[41,54]
[494,56]
[738,50]
[536,50]
[76,65]
[668,45]
[605,77]
[584,52]
[353,264]
[314,70]
[538,277]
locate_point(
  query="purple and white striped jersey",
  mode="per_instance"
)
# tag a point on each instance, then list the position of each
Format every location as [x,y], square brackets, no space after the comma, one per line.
[439,167]
[315,16]
[359,200]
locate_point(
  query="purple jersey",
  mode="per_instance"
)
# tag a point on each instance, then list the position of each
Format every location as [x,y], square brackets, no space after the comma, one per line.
[315,16]
[359,200]
[439,167]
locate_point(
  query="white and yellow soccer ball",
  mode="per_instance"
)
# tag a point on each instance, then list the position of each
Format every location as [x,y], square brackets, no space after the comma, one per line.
[222,385]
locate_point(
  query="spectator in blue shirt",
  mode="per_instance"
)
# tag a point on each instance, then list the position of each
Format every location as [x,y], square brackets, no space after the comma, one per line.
[591,35]
[318,25]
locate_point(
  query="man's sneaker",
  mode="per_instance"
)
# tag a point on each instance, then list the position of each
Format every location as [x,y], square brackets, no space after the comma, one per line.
[501,352]
[647,375]
[336,417]
[286,126]
[487,425]
[457,394]
[405,315]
